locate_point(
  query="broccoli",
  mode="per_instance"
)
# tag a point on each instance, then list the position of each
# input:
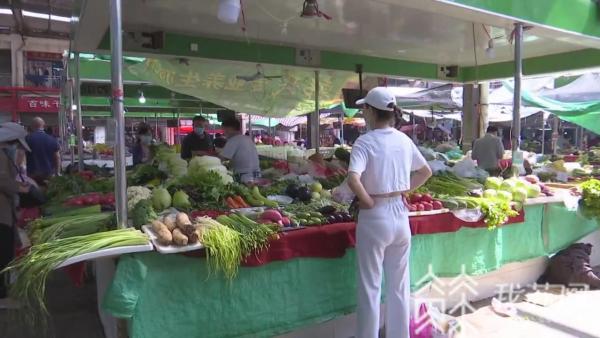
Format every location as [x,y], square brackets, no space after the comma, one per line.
[143,213]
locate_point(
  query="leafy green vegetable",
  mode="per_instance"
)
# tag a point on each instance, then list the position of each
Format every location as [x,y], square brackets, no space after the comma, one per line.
[61,187]
[205,186]
[143,213]
[144,173]
[496,210]
[591,197]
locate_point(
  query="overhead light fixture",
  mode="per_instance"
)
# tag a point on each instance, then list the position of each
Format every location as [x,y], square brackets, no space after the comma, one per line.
[229,11]
[310,9]
[490,52]
[74,107]
[142,99]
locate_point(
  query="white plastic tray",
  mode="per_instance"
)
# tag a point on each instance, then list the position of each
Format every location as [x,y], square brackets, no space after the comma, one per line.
[107,253]
[169,249]
[427,213]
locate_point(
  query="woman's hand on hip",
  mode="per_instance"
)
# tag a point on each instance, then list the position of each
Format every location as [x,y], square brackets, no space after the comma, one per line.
[366,203]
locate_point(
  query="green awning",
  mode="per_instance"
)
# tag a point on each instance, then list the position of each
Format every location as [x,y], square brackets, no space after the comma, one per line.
[585,114]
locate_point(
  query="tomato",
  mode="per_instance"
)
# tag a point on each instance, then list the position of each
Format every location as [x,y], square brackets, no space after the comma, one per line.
[412,208]
[427,206]
[420,207]
[437,205]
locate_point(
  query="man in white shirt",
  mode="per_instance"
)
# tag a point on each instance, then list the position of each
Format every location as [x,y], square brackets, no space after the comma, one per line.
[240,150]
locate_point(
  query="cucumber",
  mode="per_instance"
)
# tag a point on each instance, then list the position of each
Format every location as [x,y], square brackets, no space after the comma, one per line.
[253,201]
[315,214]
[452,205]
[315,221]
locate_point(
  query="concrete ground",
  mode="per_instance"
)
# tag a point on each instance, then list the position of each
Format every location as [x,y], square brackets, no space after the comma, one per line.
[73,312]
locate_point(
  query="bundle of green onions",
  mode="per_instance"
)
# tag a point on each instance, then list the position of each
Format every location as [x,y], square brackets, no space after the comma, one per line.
[223,246]
[56,227]
[447,183]
[255,236]
[32,269]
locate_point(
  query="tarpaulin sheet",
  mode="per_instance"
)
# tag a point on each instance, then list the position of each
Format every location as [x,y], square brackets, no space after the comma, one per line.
[218,82]
[175,294]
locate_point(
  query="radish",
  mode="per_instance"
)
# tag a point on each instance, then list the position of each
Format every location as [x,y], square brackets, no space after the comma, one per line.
[426,198]
[416,198]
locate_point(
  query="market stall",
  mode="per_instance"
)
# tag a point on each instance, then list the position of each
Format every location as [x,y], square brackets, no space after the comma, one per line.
[290,284]
[290,287]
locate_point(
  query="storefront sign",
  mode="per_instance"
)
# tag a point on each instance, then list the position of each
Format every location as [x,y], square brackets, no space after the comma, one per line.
[38,104]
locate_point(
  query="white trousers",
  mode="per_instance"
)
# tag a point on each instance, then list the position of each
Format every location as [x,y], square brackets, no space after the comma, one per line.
[383,247]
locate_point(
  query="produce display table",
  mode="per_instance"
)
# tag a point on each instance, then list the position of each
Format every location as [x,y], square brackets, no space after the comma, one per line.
[175,294]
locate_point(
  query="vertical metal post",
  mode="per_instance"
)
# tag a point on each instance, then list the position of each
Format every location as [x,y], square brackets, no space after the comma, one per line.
[116,62]
[79,121]
[342,129]
[250,125]
[516,123]
[315,118]
[543,132]
[71,121]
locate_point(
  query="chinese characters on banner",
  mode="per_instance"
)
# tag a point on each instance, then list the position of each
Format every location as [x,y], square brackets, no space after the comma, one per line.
[29,104]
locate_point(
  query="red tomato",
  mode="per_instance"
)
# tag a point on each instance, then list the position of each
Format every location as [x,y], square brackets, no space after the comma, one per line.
[426,198]
[412,208]
[427,206]
[437,205]
[420,207]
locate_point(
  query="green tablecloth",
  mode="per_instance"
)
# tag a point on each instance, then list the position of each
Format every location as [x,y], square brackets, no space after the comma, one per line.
[172,295]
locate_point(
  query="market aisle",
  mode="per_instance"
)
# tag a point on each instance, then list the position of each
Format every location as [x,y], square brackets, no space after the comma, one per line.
[73,312]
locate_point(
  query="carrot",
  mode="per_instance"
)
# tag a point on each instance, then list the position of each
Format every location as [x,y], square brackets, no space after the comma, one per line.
[240,201]
[231,203]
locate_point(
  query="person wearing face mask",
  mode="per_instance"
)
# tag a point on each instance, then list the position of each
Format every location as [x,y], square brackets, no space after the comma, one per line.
[141,150]
[12,137]
[384,164]
[198,142]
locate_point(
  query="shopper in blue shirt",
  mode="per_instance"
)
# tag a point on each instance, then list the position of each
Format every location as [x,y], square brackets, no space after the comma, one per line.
[44,159]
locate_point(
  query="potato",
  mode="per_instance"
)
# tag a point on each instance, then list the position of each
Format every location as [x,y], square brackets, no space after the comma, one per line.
[163,234]
[179,238]
[170,221]
[182,219]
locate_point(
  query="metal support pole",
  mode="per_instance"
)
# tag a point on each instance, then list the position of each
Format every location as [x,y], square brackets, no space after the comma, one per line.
[342,129]
[543,132]
[79,121]
[315,118]
[70,122]
[116,62]
[516,123]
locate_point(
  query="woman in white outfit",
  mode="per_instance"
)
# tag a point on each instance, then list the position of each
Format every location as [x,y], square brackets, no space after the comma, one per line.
[384,164]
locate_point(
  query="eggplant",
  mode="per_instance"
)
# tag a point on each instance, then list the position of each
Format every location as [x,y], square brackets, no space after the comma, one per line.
[304,194]
[346,217]
[331,219]
[328,209]
[292,190]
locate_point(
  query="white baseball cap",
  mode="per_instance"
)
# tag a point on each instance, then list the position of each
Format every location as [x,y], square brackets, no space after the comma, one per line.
[10,131]
[379,97]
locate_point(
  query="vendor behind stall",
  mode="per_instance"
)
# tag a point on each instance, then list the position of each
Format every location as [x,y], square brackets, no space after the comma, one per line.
[488,151]
[198,142]
[141,150]
[241,151]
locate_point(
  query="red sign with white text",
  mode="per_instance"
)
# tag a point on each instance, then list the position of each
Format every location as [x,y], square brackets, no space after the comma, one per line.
[30,104]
